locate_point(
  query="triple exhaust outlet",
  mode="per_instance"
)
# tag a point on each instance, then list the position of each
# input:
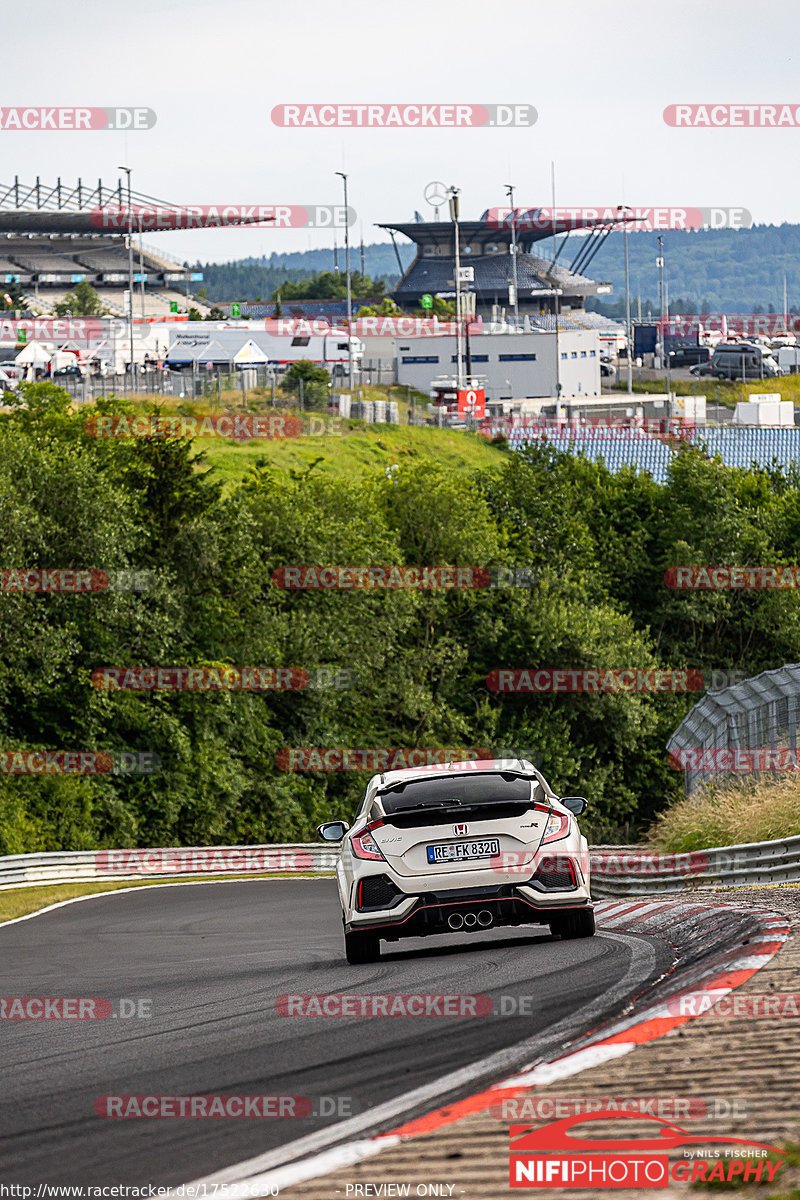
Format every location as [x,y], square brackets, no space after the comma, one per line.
[484,918]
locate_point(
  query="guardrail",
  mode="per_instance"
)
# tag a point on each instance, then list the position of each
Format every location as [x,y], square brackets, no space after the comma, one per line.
[26,870]
[616,870]
[625,871]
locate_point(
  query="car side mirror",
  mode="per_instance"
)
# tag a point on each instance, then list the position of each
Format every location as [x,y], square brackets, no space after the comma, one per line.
[332,831]
[575,804]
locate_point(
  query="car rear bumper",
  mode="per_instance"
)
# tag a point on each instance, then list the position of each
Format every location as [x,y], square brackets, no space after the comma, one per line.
[508,904]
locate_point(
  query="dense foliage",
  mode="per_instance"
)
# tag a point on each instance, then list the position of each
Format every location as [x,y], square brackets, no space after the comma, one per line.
[599,543]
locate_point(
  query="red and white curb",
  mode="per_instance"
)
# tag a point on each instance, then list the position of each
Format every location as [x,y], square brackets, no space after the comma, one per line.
[716,974]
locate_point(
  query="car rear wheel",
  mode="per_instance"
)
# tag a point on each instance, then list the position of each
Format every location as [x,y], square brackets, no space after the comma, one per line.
[578,924]
[361,948]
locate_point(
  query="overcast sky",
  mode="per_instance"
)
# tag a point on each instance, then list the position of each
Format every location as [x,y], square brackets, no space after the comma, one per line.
[598,75]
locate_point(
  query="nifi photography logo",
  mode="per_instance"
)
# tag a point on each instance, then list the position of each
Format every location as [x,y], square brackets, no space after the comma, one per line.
[548,1156]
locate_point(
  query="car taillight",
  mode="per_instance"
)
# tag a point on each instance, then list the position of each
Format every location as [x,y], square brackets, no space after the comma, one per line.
[365,846]
[557,827]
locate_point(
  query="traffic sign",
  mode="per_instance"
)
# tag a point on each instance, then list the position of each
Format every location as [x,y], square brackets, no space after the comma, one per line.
[427,300]
[236,310]
[173,306]
[472,402]
[22,335]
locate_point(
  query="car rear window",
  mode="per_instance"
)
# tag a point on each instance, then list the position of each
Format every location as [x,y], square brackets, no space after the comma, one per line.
[464,789]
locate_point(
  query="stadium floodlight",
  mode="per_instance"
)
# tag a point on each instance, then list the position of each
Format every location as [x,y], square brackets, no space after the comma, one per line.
[454,215]
[343,177]
[510,193]
[130,267]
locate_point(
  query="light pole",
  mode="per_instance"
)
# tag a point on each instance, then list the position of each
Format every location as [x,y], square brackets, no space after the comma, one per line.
[130,266]
[454,214]
[660,265]
[343,177]
[510,194]
[627,301]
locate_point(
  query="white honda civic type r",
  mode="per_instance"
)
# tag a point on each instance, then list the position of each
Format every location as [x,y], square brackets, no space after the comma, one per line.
[457,848]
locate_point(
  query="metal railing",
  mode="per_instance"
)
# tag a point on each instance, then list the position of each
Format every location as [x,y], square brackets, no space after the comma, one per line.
[26,870]
[616,870]
[625,871]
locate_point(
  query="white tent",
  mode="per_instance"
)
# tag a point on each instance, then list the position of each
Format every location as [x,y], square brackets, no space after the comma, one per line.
[249,355]
[34,354]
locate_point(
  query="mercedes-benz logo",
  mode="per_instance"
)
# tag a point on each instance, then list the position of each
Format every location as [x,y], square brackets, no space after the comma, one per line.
[436,193]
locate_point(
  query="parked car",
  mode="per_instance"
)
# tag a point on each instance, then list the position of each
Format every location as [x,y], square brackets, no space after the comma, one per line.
[607,371]
[703,368]
[71,372]
[459,849]
[743,360]
[689,356]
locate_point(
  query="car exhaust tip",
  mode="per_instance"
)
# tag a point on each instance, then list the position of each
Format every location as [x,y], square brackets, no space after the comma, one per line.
[485,918]
[455,920]
[470,920]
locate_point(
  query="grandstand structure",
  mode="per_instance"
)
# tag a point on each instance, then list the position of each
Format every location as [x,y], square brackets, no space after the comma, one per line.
[543,284]
[50,240]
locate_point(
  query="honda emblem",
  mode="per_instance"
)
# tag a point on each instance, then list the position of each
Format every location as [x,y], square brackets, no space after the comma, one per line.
[460,830]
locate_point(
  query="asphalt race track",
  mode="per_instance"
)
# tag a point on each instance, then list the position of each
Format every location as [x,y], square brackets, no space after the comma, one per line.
[212,960]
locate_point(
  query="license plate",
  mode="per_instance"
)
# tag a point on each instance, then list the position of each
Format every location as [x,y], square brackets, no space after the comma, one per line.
[459,851]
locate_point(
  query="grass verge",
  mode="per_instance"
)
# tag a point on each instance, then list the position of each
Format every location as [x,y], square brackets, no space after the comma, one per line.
[20,902]
[730,814]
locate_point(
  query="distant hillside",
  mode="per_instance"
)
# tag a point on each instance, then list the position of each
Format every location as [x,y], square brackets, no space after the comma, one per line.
[721,270]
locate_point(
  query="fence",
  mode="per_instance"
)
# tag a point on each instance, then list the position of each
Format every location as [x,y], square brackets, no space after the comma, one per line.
[756,714]
[616,870]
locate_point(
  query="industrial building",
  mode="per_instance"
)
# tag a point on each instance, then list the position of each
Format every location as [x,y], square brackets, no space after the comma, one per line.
[516,365]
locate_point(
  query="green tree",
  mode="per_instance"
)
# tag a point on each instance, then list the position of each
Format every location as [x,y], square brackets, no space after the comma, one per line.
[316,383]
[83,301]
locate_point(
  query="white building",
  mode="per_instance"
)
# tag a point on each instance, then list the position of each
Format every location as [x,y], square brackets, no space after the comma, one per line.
[517,366]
